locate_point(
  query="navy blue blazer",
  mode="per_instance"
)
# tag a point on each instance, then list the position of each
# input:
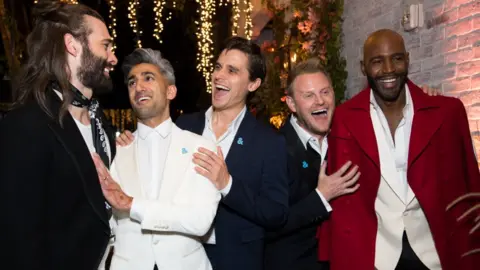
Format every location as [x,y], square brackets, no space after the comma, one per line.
[295,245]
[258,199]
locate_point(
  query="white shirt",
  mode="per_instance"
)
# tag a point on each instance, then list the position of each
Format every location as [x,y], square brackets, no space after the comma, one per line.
[399,148]
[224,142]
[86,131]
[153,144]
[320,147]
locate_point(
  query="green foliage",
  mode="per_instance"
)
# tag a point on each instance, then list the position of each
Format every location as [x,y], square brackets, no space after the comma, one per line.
[302,29]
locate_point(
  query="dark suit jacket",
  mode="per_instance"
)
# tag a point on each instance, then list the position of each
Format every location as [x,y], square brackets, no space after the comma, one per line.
[294,246]
[441,167]
[53,214]
[258,198]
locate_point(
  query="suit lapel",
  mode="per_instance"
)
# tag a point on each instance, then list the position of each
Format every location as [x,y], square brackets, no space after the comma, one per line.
[359,119]
[71,139]
[426,122]
[178,157]
[239,148]
[127,166]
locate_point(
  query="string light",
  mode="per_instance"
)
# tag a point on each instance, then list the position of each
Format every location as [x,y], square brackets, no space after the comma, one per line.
[248,19]
[63,1]
[159,4]
[247,11]
[236,16]
[113,23]
[132,15]
[204,40]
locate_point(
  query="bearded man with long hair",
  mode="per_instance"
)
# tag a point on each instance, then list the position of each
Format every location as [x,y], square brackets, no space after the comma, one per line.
[54,213]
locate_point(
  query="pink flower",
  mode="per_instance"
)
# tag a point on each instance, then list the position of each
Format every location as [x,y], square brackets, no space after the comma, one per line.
[307,45]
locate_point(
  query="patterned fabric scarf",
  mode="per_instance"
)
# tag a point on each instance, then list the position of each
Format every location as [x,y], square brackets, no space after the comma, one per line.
[98,133]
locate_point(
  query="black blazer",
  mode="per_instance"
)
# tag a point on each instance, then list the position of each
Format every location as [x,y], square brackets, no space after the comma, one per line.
[294,247]
[258,198]
[53,214]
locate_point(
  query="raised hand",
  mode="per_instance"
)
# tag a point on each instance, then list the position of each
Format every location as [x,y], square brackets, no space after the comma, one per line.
[124,139]
[339,183]
[212,166]
[112,191]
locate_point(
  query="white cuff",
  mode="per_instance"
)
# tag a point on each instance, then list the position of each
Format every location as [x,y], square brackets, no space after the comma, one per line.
[227,188]
[139,207]
[325,203]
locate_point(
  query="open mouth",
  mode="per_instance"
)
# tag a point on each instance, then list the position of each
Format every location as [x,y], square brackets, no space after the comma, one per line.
[320,113]
[143,99]
[106,71]
[388,82]
[220,87]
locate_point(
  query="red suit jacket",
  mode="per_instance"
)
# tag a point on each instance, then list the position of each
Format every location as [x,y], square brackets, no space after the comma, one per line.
[441,167]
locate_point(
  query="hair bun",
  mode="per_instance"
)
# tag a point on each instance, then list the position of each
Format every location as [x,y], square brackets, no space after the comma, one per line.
[44,8]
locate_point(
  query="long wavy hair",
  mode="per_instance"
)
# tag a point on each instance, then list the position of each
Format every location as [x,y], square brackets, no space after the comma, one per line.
[47,55]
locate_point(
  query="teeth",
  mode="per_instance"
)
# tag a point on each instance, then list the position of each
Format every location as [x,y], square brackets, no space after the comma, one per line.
[388,80]
[317,112]
[221,87]
[143,98]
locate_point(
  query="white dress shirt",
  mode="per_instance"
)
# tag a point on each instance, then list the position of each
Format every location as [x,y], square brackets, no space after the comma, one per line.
[320,147]
[153,143]
[399,148]
[224,142]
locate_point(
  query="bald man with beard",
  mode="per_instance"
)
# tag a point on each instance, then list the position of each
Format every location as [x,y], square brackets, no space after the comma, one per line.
[416,156]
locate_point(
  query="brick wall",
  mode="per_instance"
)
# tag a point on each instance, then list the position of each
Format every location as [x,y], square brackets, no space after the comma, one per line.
[446,56]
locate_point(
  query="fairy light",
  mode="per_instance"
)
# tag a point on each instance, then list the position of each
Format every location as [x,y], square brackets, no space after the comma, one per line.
[204,40]
[113,23]
[63,1]
[236,16]
[248,19]
[132,15]
[158,8]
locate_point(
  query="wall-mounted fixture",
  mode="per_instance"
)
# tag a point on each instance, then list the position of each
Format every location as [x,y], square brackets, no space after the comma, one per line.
[413,15]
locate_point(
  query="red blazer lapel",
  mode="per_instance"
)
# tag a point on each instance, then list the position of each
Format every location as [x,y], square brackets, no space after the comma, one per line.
[426,121]
[359,119]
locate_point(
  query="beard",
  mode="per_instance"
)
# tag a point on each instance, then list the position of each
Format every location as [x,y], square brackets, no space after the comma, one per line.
[91,72]
[388,94]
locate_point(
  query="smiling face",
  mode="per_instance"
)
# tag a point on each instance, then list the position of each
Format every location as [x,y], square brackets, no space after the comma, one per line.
[230,80]
[385,63]
[97,58]
[313,102]
[150,93]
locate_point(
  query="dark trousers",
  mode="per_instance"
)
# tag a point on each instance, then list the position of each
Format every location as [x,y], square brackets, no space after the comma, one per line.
[408,258]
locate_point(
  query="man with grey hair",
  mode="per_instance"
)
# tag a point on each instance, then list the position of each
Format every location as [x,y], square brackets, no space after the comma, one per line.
[162,206]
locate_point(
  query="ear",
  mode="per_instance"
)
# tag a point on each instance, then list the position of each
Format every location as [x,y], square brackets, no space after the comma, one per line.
[291,104]
[171,92]
[72,46]
[407,58]
[363,68]
[252,86]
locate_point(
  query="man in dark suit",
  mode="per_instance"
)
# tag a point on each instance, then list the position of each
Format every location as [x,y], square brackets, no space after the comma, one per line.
[254,187]
[311,99]
[54,214]
[416,157]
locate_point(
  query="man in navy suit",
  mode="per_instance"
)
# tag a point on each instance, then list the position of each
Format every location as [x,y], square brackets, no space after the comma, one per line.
[251,168]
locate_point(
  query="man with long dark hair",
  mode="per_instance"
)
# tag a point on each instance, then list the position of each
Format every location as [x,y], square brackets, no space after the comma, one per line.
[54,214]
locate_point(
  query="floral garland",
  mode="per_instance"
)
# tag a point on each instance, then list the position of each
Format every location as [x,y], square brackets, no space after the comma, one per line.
[301,29]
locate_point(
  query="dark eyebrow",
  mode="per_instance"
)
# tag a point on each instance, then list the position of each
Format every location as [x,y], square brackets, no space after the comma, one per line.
[145,73]
[107,40]
[232,67]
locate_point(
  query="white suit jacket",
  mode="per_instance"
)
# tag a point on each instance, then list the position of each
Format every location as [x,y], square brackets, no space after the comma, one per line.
[183,211]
